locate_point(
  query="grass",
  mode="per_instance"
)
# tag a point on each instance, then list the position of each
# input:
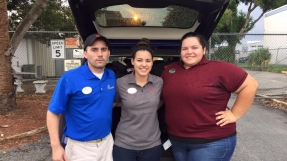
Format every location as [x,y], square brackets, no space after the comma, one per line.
[276,68]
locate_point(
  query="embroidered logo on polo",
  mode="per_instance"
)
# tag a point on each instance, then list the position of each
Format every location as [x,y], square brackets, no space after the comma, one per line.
[87,90]
[171,71]
[110,87]
[151,90]
[132,90]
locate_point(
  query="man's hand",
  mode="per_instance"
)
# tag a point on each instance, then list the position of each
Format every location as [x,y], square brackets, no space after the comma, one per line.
[225,117]
[58,153]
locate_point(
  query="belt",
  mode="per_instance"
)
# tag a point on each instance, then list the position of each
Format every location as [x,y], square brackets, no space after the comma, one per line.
[96,141]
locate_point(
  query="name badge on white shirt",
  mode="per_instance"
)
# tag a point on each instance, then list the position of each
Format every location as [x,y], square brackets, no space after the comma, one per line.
[167,144]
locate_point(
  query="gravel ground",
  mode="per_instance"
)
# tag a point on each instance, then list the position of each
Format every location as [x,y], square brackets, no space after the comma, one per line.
[38,151]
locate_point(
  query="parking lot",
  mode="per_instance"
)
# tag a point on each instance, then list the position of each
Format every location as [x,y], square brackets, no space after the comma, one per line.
[270,83]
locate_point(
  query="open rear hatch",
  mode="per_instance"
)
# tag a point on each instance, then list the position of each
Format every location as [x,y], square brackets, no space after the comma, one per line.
[124,22]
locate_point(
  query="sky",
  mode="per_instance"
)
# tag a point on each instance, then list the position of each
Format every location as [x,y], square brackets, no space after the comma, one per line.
[259,26]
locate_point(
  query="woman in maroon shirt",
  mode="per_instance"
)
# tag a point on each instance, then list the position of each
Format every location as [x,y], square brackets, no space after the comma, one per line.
[196,91]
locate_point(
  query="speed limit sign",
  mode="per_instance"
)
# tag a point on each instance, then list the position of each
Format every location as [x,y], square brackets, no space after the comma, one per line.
[58,48]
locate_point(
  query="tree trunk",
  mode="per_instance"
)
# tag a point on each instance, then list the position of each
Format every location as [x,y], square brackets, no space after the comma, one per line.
[232,46]
[26,23]
[7,92]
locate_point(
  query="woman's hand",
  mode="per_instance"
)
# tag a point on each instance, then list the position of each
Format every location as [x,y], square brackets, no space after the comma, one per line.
[225,117]
[246,93]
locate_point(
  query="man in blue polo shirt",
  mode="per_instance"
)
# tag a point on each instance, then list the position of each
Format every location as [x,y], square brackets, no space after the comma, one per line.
[85,96]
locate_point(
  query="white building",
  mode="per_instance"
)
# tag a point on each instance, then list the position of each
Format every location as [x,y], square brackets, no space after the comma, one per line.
[245,49]
[275,22]
[33,52]
[23,55]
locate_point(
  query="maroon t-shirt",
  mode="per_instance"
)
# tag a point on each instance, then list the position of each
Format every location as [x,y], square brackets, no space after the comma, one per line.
[193,96]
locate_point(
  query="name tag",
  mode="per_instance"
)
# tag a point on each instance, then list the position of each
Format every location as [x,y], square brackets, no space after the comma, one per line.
[167,144]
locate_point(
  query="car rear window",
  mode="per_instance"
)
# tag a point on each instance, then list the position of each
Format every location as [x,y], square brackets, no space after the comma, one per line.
[125,15]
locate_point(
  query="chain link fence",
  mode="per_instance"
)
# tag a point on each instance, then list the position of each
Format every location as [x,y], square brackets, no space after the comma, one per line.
[264,56]
[35,53]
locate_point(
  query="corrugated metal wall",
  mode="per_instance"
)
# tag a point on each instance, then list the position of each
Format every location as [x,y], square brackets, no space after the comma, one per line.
[60,62]
[42,56]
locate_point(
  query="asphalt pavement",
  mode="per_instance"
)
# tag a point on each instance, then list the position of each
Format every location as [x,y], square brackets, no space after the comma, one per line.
[261,135]
[270,83]
[38,151]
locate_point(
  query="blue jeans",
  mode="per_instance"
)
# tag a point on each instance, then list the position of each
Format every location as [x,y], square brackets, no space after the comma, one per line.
[220,150]
[122,154]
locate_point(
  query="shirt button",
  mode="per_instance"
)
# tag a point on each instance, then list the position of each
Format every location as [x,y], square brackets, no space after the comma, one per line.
[101,89]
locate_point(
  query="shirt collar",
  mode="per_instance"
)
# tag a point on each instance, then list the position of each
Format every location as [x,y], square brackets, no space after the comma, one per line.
[131,78]
[88,74]
[202,62]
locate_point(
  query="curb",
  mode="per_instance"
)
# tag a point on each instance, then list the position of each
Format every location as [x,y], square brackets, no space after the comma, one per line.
[25,134]
[275,100]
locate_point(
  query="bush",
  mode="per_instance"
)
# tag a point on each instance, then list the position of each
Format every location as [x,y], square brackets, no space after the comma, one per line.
[225,54]
[258,56]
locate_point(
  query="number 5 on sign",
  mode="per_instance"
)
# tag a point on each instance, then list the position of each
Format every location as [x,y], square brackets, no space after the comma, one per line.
[58,48]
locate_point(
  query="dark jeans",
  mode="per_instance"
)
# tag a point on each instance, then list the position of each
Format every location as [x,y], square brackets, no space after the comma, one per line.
[122,154]
[220,150]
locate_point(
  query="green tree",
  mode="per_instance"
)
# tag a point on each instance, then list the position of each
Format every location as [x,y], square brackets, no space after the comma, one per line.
[234,21]
[181,17]
[56,17]
[223,53]
[264,5]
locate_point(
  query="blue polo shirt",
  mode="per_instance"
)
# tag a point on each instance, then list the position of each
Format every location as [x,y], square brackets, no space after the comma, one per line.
[86,101]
